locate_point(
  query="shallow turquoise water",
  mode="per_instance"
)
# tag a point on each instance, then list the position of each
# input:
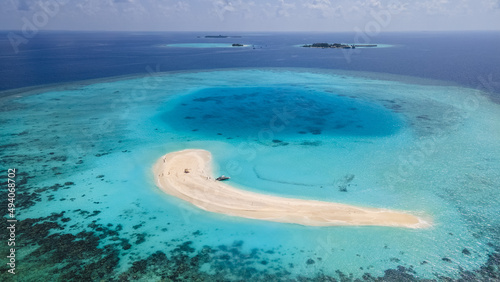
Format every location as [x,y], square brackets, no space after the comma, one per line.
[345,138]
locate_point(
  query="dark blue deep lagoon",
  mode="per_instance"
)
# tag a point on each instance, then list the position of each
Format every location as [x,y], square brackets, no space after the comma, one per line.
[287,111]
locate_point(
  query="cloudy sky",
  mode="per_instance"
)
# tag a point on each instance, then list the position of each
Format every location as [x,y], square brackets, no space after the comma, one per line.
[251,15]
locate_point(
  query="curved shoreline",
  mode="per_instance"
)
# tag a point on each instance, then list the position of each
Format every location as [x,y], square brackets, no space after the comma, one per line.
[199,188]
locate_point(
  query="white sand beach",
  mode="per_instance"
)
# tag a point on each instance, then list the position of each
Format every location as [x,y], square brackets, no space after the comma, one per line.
[188,175]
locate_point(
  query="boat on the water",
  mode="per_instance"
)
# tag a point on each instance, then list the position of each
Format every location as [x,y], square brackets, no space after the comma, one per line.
[222,178]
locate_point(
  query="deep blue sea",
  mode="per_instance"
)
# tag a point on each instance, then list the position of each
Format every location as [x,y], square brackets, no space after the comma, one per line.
[55,57]
[412,124]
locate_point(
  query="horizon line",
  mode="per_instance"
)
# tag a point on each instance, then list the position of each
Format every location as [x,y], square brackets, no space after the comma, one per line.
[250,31]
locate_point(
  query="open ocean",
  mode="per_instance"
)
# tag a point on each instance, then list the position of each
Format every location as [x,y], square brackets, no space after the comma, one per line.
[412,125]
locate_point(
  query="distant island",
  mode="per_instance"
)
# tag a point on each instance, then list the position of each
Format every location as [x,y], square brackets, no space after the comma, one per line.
[337,45]
[221,36]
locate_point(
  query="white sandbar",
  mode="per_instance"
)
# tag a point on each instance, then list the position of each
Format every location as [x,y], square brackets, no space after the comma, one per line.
[188,175]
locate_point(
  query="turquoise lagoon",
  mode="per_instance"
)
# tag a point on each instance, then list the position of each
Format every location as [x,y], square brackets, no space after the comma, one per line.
[357,138]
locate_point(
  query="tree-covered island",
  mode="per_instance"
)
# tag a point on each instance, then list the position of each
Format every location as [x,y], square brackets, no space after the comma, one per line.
[327,45]
[337,45]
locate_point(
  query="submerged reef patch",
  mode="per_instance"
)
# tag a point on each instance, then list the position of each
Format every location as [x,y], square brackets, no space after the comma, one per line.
[54,254]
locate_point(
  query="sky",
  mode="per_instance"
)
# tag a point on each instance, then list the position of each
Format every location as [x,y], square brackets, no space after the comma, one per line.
[252,15]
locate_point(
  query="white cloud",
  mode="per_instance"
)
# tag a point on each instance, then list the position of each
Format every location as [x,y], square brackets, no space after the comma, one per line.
[397,7]
[171,8]
[284,9]
[278,9]
[93,7]
[259,14]
[494,4]
[324,8]
[433,7]
[117,8]
[8,6]
[132,7]
[372,4]
[181,6]
[225,8]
